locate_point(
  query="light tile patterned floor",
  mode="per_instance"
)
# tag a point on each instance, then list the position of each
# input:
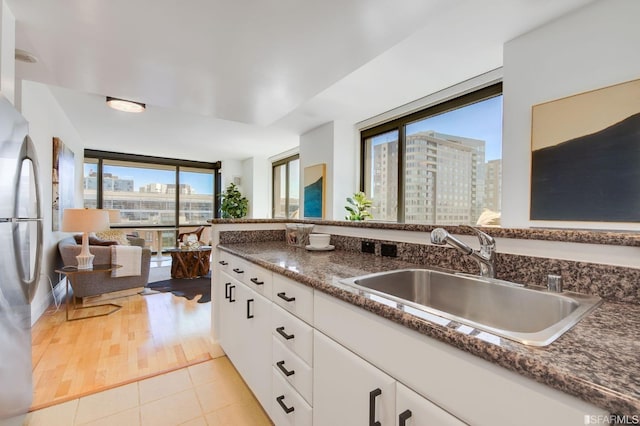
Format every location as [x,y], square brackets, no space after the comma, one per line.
[208,394]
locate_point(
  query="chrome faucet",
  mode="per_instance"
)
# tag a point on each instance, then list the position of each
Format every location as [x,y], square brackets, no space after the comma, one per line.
[485,257]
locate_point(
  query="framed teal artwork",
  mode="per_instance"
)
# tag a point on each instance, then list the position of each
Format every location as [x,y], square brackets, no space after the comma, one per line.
[314,181]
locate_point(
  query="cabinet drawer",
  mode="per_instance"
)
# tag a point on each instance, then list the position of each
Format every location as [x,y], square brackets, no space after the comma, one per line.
[237,268]
[293,370]
[223,261]
[259,279]
[287,406]
[292,333]
[294,297]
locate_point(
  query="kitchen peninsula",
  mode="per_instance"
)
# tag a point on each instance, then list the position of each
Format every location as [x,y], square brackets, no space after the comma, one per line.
[596,361]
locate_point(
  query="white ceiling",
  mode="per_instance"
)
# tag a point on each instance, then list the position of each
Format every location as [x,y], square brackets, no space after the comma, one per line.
[237,79]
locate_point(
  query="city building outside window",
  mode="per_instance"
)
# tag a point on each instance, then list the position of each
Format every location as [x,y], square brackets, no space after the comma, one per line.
[162,193]
[441,165]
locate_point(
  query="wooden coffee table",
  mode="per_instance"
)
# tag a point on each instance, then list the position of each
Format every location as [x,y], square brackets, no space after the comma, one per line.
[190,263]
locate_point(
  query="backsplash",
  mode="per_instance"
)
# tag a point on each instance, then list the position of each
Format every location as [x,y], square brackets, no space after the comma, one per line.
[613,283]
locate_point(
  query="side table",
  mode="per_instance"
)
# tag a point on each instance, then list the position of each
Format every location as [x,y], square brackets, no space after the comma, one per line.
[190,263]
[70,272]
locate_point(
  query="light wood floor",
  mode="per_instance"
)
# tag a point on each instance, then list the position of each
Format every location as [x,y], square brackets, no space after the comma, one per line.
[150,335]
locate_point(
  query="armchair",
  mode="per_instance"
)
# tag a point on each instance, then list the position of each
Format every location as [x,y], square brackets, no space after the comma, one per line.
[85,285]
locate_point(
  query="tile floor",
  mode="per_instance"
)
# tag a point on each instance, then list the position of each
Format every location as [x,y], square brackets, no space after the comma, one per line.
[206,394]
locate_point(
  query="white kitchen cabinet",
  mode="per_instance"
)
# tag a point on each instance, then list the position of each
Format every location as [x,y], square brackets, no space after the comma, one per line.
[414,410]
[245,335]
[348,390]
[288,408]
[473,390]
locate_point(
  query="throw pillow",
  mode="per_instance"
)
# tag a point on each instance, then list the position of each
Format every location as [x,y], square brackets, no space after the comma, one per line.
[93,241]
[113,235]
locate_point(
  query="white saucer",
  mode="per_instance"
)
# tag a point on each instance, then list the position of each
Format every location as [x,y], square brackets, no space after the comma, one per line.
[325,248]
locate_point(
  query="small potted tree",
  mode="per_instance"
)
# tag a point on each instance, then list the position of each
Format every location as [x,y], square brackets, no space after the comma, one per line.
[358,207]
[233,204]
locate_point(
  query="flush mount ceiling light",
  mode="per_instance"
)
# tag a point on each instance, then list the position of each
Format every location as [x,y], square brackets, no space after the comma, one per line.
[124,105]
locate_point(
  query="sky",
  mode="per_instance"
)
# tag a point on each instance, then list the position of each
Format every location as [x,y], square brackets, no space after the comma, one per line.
[202,183]
[482,120]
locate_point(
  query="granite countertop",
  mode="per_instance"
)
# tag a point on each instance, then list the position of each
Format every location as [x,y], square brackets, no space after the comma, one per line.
[598,360]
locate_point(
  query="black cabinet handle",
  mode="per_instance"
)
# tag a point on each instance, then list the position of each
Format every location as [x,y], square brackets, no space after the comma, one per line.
[223,263]
[231,299]
[226,290]
[284,407]
[284,297]
[403,417]
[282,368]
[281,332]
[372,406]
[256,282]
[238,271]
[249,314]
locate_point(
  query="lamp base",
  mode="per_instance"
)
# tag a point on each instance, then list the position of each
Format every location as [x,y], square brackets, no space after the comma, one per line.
[85,261]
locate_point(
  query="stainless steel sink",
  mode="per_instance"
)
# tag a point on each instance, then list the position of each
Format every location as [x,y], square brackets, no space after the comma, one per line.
[525,314]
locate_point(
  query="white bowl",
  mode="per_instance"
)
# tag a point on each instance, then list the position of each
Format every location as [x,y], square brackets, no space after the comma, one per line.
[319,240]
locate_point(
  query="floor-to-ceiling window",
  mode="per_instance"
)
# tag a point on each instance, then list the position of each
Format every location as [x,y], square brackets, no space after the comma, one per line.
[286,187]
[441,165]
[151,191]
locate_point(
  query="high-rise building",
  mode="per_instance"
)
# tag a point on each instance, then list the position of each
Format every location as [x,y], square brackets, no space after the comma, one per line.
[444,179]
[493,186]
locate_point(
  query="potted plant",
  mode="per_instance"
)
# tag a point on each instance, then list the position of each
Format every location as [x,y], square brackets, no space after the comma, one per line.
[233,204]
[358,207]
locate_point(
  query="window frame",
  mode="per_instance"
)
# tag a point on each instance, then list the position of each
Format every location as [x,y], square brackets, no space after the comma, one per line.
[282,162]
[399,125]
[189,165]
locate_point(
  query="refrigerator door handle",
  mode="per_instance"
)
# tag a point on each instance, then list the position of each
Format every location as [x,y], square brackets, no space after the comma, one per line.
[30,284]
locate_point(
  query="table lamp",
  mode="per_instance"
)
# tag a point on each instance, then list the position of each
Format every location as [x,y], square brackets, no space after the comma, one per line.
[85,221]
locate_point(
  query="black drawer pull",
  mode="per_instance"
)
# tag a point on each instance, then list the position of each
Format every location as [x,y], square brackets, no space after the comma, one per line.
[284,297]
[372,406]
[249,314]
[223,263]
[282,368]
[284,407]
[231,299]
[238,271]
[403,417]
[256,282]
[281,332]
[226,290]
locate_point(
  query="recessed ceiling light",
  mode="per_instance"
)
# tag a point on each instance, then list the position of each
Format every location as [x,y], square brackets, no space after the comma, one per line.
[24,56]
[124,105]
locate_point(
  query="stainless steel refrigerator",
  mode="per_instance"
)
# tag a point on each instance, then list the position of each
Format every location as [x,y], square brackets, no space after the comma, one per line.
[20,255]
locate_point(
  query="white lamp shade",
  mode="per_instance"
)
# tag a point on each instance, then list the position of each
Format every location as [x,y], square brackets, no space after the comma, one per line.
[85,220]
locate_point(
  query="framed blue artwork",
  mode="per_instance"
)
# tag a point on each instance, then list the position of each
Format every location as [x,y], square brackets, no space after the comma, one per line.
[314,181]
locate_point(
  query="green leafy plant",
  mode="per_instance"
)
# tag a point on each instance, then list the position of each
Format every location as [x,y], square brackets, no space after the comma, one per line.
[358,207]
[233,204]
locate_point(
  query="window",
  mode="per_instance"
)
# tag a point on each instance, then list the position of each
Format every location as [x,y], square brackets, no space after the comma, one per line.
[441,165]
[286,188]
[151,191]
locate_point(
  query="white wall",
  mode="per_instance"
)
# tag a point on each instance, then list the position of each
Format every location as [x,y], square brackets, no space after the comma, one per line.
[337,145]
[316,147]
[7,55]
[256,184]
[346,165]
[46,120]
[594,47]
